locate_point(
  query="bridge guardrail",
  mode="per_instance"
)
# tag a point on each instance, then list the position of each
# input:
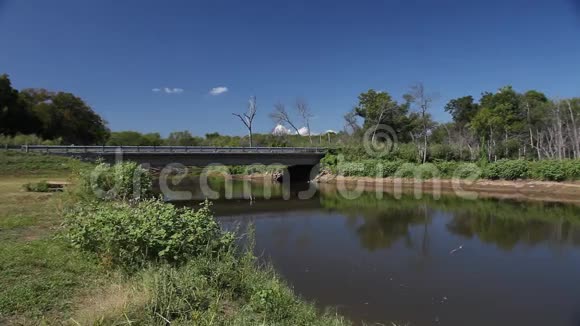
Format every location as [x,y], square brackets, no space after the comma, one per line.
[166,149]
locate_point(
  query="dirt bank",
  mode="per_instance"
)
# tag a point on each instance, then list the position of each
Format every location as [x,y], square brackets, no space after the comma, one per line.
[567,192]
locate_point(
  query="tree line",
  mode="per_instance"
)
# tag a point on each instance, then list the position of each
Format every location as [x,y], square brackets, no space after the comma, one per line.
[58,116]
[503,124]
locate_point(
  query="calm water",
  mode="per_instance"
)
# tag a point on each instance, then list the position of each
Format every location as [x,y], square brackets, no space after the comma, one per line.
[425,262]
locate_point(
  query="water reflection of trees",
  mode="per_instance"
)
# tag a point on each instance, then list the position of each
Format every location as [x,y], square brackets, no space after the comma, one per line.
[379,223]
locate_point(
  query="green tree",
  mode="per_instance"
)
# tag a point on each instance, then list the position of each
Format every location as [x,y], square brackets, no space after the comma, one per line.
[64,115]
[126,138]
[152,139]
[182,138]
[14,114]
[462,109]
[379,108]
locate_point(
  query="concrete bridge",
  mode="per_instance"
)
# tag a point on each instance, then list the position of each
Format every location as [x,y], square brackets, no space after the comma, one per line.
[299,160]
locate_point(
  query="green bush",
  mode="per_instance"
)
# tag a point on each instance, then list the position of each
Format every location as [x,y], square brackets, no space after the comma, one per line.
[132,235]
[406,170]
[329,161]
[507,169]
[446,168]
[20,139]
[41,186]
[555,170]
[122,181]
[441,152]
[348,169]
[467,170]
[389,168]
[572,168]
[407,153]
[548,170]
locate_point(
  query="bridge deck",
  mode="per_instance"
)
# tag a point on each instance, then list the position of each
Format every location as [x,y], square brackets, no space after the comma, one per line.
[170,149]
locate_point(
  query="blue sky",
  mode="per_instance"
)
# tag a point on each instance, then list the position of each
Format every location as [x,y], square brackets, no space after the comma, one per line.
[115,53]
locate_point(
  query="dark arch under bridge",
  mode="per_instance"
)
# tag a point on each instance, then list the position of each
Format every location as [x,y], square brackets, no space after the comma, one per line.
[299,160]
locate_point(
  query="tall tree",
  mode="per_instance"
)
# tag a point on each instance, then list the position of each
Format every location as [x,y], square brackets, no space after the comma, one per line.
[248,117]
[423,101]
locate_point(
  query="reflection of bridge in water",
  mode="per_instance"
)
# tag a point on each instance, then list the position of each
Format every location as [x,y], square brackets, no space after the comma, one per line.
[299,160]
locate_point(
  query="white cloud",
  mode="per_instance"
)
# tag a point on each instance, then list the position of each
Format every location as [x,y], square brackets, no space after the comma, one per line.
[174,90]
[218,90]
[303,131]
[280,130]
[168,90]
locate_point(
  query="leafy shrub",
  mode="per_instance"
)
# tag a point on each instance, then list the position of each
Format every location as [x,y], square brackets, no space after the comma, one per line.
[406,170]
[441,152]
[555,170]
[407,153]
[572,168]
[548,170]
[41,186]
[236,169]
[446,168]
[371,168]
[131,235]
[507,169]
[20,139]
[467,170]
[351,169]
[122,181]
[389,168]
[428,171]
[329,161]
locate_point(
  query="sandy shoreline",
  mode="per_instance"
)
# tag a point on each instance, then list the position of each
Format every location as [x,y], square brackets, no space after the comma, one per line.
[565,192]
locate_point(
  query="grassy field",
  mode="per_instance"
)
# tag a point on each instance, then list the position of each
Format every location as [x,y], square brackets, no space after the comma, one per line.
[15,163]
[39,273]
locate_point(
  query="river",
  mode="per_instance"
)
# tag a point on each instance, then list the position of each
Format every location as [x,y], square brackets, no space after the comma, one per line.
[427,261]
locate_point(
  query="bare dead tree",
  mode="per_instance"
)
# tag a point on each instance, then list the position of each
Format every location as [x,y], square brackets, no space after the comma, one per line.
[305,113]
[575,133]
[423,102]
[248,117]
[281,116]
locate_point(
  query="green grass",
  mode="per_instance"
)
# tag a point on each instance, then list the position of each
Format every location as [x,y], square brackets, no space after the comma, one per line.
[39,274]
[40,277]
[14,163]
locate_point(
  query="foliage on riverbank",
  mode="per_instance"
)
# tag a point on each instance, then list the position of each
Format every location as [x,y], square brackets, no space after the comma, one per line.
[549,170]
[188,270]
